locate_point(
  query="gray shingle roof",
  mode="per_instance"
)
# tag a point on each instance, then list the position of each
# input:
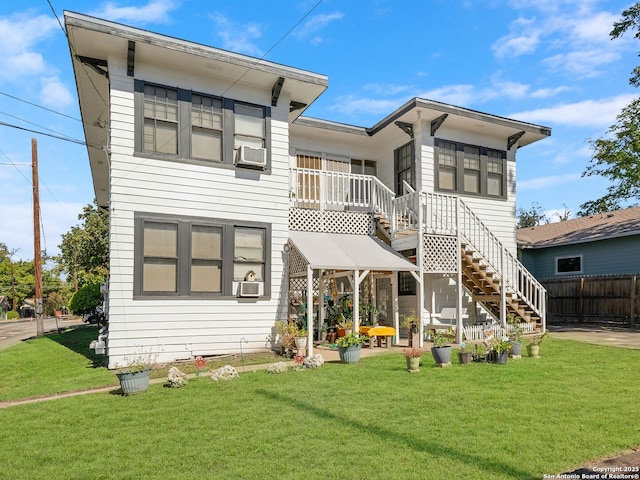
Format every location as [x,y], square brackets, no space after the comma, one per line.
[581,230]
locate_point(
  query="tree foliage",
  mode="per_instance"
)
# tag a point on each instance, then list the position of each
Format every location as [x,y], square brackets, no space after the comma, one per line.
[85,248]
[86,299]
[630,21]
[533,217]
[617,156]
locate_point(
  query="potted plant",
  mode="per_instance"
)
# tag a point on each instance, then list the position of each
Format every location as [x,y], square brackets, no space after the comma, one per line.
[441,349]
[500,348]
[479,353]
[466,353]
[412,323]
[349,347]
[533,345]
[300,338]
[413,356]
[515,338]
[134,373]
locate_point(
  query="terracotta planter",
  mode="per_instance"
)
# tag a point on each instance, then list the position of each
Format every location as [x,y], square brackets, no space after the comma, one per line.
[466,357]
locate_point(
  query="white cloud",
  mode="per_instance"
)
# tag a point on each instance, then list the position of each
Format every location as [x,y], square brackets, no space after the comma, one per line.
[155,11]
[548,92]
[315,24]
[550,181]
[54,93]
[236,37]
[583,63]
[587,113]
[520,42]
[19,34]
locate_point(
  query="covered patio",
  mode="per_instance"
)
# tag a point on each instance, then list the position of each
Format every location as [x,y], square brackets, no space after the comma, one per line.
[317,260]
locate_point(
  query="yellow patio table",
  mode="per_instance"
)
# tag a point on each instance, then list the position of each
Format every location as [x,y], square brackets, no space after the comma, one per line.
[378,332]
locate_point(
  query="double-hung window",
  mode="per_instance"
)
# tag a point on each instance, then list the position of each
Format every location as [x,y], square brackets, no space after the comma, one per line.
[181,125]
[470,169]
[195,257]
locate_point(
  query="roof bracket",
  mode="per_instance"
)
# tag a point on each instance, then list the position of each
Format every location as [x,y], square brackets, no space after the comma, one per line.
[405,127]
[293,106]
[275,91]
[131,54]
[513,139]
[437,123]
[95,64]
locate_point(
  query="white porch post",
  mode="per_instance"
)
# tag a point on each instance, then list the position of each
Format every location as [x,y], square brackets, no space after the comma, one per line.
[503,293]
[395,309]
[321,293]
[357,280]
[459,275]
[309,311]
[419,295]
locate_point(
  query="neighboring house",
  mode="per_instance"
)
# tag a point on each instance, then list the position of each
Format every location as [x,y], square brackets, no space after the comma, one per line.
[225,203]
[604,244]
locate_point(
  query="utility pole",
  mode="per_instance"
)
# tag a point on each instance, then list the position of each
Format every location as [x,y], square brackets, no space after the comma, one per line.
[37,259]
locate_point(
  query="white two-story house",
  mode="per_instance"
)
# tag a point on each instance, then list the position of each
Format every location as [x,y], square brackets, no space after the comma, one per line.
[226,202]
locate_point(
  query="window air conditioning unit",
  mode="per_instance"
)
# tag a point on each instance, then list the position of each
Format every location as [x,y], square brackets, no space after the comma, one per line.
[249,289]
[252,157]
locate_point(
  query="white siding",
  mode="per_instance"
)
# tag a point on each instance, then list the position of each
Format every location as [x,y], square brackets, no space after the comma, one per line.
[179,329]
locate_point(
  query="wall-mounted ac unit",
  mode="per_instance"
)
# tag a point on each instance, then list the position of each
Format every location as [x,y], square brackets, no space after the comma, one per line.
[252,157]
[249,289]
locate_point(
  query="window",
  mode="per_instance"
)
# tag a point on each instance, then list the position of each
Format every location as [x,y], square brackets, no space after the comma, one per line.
[160,119]
[404,167]
[192,257]
[181,125]
[569,264]
[406,283]
[470,169]
[206,128]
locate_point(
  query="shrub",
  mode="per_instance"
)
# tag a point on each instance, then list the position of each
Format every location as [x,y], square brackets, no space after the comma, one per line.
[12,315]
[86,299]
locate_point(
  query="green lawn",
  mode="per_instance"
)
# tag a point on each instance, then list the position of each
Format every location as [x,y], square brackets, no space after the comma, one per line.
[371,420]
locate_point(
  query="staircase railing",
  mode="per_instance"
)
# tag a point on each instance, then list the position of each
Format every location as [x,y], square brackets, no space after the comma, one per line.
[449,215]
[439,214]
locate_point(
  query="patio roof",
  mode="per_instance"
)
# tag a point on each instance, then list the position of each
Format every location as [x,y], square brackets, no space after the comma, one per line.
[335,251]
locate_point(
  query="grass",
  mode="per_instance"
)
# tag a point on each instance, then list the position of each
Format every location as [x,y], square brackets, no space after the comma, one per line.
[370,420]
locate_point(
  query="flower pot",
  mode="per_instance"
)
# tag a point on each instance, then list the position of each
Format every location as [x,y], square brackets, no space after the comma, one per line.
[516,348]
[301,342]
[135,382]
[533,350]
[501,357]
[350,354]
[413,364]
[466,357]
[441,355]
[341,332]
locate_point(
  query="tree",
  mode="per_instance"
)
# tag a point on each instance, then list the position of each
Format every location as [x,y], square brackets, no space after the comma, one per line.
[84,250]
[565,215]
[531,218]
[630,20]
[86,299]
[617,157]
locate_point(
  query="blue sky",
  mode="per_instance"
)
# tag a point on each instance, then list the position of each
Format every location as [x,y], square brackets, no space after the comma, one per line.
[549,62]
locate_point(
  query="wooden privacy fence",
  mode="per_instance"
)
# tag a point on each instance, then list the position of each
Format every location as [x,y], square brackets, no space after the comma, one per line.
[604,300]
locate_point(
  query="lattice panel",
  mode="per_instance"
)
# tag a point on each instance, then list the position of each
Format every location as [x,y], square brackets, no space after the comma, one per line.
[297,263]
[331,221]
[440,254]
[299,285]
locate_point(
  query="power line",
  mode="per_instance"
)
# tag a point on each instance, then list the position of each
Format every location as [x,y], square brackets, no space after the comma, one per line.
[40,106]
[34,124]
[58,137]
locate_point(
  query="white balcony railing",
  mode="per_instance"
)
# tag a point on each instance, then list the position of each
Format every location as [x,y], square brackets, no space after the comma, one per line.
[434,213]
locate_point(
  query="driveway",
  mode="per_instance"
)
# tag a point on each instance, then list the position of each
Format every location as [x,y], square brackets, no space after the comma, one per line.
[14,331]
[610,336]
